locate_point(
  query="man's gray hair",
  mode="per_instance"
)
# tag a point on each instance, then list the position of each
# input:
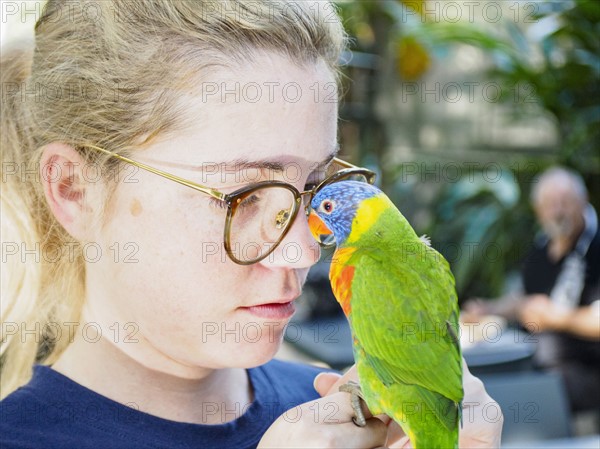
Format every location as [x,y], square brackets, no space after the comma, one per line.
[560,175]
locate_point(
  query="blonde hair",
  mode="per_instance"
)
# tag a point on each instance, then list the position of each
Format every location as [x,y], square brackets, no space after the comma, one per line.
[107,73]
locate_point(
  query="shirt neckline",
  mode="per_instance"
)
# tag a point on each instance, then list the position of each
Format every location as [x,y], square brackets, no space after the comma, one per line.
[96,410]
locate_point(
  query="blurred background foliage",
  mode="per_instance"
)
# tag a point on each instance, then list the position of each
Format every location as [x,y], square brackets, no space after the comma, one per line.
[458,105]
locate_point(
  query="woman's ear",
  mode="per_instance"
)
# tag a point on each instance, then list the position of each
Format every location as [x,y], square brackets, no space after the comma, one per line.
[62,174]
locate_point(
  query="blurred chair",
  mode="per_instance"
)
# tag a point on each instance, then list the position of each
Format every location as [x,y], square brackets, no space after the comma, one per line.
[534,405]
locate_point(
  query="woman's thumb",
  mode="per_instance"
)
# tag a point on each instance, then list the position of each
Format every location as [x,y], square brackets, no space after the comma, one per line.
[324,381]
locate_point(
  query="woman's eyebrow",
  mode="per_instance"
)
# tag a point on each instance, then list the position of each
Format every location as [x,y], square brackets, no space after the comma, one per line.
[274,164]
[332,155]
[246,164]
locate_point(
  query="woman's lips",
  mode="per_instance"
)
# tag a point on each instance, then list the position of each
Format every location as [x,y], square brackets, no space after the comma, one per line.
[274,310]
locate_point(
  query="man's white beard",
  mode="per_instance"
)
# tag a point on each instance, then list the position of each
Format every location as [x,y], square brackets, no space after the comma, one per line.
[563,227]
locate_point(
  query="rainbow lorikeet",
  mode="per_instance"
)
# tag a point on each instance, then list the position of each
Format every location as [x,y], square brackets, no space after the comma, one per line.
[399,297]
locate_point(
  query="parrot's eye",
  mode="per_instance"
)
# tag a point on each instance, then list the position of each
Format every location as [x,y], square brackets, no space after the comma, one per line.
[327,206]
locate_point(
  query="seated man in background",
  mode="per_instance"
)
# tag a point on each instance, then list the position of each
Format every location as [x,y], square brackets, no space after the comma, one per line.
[560,298]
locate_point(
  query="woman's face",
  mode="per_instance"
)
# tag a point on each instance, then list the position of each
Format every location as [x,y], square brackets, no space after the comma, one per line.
[164,280]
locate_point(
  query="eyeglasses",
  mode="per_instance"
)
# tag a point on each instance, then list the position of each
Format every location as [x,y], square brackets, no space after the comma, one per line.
[260,214]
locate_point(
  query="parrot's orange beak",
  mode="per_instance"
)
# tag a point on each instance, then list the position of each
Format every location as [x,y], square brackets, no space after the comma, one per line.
[317,226]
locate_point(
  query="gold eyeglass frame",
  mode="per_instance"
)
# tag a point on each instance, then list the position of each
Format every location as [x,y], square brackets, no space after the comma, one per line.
[237,197]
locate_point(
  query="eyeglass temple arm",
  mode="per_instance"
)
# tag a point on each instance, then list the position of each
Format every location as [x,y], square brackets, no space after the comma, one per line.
[347,164]
[212,192]
[343,163]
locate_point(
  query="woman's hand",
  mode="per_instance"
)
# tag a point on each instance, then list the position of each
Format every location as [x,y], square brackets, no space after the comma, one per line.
[481,422]
[481,418]
[325,422]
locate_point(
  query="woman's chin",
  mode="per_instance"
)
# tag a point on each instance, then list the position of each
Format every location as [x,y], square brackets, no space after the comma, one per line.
[257,353]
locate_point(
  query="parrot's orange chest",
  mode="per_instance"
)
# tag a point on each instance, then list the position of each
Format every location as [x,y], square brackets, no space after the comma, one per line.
[340,275]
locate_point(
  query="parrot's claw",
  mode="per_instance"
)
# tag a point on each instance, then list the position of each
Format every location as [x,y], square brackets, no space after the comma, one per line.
[355,397]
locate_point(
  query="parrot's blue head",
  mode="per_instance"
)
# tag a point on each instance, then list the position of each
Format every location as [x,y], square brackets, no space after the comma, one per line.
[336,206]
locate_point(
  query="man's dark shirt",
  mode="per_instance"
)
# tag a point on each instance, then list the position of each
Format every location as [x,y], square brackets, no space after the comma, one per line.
[578,359]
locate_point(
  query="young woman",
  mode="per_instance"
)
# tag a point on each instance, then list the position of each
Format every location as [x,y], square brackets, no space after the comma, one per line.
[157,160]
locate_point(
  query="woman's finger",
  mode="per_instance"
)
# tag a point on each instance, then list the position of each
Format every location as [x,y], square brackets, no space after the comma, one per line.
[396,436]
[373,435]
[324,382]
[350,375]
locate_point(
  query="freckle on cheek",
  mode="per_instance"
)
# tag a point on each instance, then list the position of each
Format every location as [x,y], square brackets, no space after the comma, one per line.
[136,207]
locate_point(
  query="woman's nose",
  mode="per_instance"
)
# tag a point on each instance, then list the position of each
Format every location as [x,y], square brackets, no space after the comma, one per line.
[298,249]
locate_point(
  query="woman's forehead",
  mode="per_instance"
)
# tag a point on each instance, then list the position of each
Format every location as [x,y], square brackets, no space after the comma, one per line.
[276,117]
[270,84]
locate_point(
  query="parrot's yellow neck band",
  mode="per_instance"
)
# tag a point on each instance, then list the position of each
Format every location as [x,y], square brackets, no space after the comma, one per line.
[367,214]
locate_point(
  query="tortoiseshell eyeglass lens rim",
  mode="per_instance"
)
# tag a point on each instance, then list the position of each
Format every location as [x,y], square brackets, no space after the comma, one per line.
[232,200]
[237,197]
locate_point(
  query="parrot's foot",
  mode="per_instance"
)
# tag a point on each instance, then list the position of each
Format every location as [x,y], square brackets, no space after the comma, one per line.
[355,397]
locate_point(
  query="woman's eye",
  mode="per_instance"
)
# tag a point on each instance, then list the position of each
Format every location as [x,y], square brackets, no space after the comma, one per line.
[214,202]
[312,184]
[249,201]
[244,203]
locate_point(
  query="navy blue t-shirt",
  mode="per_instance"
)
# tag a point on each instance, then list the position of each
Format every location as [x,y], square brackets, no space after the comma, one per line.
[53,411]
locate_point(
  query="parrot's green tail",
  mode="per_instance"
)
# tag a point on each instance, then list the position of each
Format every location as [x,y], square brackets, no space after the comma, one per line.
[428,439]
[431,427]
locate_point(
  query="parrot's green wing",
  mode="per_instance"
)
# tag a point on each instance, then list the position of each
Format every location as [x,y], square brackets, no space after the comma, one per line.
[408,322]
[398,294]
